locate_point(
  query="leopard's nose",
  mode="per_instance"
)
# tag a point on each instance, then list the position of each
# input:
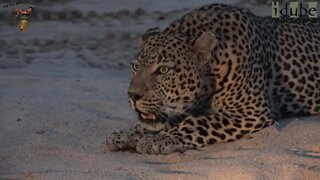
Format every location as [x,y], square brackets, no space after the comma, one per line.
[134,95]
[137,87]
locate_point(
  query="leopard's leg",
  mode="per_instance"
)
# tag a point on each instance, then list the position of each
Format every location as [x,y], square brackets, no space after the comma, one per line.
[126,139]
[195,132]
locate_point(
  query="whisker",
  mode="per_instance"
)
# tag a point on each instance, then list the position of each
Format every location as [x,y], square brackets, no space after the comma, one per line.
[174,118]
[161,115]
[171,110]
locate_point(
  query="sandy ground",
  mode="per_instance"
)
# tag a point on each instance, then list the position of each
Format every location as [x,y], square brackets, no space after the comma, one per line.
[63,90]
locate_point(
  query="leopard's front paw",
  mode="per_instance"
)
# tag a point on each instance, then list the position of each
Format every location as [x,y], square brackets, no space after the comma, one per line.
[122,141]
[158,144]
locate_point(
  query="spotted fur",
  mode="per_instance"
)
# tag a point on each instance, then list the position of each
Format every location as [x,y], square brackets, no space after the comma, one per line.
[218,74]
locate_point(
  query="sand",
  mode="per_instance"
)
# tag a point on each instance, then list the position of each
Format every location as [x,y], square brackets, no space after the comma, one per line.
[63,89]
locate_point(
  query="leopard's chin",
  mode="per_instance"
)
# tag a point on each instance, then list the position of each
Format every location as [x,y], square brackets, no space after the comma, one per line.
[153,127]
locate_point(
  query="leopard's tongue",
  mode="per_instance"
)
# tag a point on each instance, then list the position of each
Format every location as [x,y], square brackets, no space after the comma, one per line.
[148,116]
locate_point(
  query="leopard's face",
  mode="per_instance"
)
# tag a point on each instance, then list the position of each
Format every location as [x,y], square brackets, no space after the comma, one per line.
[165,81]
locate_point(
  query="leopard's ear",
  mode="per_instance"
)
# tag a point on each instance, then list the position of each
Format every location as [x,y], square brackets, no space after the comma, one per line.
[204,46]
[148,34]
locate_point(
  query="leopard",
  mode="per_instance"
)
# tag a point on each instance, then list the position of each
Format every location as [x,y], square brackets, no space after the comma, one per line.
[218,74]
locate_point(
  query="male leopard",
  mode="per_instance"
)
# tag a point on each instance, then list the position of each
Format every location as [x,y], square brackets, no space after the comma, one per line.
[218,74]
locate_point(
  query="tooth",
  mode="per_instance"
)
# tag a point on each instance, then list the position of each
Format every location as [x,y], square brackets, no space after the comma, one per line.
[148,116]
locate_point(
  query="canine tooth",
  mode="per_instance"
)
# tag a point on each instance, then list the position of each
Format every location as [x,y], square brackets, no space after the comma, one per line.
[148,116]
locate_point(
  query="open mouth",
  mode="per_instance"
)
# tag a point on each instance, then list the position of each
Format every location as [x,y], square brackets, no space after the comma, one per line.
[155,118]
[152,121]
[149,118]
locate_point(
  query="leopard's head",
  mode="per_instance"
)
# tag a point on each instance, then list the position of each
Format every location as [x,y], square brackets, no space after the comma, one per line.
[168,77]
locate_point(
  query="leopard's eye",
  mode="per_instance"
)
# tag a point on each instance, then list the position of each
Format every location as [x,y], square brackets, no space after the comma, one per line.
[135,67]
[163,69]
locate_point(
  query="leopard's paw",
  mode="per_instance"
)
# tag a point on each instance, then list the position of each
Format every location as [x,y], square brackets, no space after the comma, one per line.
[158,144]
[122,140]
